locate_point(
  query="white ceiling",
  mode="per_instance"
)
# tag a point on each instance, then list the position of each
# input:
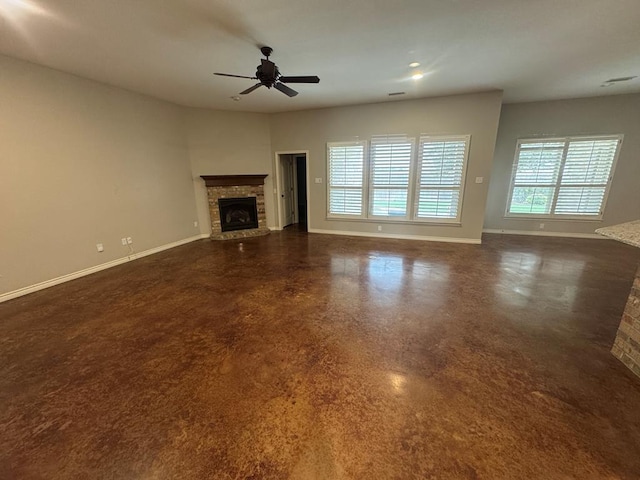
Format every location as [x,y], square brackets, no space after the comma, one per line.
[360,49]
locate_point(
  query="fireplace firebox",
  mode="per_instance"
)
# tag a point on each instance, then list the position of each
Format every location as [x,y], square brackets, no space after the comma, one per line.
[238,213]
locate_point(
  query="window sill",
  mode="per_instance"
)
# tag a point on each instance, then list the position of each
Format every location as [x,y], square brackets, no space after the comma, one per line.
[552,219]
[422,223]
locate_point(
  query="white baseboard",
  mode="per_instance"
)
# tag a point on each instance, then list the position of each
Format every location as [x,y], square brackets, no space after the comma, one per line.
[275,229]
[151,251]
[473,241]
[88,271]
[543,234]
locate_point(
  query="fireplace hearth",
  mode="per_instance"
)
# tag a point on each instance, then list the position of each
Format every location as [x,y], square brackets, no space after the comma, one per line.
[236,206]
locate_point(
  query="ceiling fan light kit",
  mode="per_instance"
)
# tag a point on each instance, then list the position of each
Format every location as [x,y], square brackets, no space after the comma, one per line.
[269,75]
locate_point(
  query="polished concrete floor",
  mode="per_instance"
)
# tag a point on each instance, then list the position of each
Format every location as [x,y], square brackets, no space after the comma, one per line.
[309,356]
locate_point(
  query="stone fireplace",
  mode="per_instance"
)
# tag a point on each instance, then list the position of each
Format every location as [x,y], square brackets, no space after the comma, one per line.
[236,206]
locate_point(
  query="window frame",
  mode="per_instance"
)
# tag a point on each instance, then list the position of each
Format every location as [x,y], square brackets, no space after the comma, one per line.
[363,188]
[369,174]
[463,178]
[413,189]
[558,184]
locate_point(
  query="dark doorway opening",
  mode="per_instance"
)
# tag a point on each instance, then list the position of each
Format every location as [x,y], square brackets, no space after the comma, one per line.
[293,189]
[301,181]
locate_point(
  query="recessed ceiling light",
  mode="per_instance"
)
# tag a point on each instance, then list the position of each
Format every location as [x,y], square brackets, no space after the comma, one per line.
[417,76]
[235,98]
[414,64]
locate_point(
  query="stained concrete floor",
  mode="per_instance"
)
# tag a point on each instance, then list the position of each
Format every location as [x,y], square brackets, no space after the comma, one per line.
[323,357]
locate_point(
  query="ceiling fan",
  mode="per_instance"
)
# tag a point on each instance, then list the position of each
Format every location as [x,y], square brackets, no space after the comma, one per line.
[269,76]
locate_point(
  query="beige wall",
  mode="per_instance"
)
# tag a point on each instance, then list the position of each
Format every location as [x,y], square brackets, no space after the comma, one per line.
[82,163]
[586,116]
[228,143]
[475,114]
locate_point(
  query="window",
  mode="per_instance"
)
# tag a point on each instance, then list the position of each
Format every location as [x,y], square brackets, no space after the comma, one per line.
[403,185]
[390,167]
[562,178]
[346,178]
[442,167]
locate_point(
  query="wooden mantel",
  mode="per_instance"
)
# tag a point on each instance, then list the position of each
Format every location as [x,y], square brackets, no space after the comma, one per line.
[232,180]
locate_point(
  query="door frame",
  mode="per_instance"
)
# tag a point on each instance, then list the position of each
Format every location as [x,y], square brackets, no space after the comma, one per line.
[279,199]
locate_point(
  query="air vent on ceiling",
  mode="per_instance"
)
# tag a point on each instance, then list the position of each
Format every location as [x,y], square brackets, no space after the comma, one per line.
[615,81]
[393,94]
[620,79]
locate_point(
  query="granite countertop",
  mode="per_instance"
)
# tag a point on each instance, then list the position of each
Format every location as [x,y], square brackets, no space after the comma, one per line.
[628,233]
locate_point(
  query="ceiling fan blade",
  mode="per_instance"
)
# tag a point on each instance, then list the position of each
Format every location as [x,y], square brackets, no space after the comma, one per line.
[284,89]
[235,76]
[305,79]
[251,89]
[268,68]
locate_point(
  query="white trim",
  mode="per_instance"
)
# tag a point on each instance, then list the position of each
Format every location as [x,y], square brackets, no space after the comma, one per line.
[463,178]
[275,229]
[555,219]
[558,183]
[307,179]
[542,234]
[366,165]
[279,206]
[409,187]
[413,187]
[88,271]
[473,241]
[391,221]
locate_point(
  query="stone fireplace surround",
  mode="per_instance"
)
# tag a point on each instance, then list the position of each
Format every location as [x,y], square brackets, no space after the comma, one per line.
[235,186]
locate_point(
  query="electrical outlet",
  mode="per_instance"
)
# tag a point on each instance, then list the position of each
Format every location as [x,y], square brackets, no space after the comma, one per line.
[129,240]
[124,241]
[318,180]
[195,224]
[100,247]
[479,179]
[379,228]
[541,226]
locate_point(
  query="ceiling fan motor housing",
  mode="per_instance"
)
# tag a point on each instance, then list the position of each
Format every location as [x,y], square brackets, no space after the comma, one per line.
[267,78]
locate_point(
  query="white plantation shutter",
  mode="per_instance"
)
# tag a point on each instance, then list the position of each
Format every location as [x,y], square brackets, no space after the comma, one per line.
[390,158]
[560,177]
[585,176]
[536,175]
[441,171]
[346,177]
